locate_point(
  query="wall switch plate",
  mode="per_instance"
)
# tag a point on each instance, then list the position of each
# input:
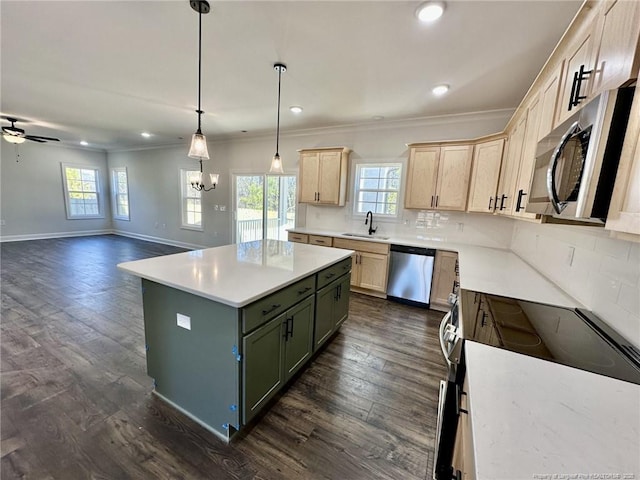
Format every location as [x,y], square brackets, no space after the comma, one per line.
[184,321]
[223,208]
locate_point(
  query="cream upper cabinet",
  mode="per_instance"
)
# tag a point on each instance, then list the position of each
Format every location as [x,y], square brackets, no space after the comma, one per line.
[323,176]
[438,177]
[624,210]
[508,175]
[579,59]
[549,106]
[527,160]
[485,172]
[422,176]
[618,57]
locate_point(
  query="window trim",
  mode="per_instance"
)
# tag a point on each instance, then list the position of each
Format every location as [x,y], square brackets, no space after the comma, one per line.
[114,194]
[185,187]
[65,189]
[356,189]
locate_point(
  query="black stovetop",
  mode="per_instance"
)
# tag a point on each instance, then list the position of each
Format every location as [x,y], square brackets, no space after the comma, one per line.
[572,337]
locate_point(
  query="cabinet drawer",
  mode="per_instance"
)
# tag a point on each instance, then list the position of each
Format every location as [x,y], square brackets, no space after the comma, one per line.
[328,275]
[298,237]
[361,246]
[266,308]
[321,240]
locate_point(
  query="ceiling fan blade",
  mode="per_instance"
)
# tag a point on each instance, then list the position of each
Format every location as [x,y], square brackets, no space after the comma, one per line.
[38,138]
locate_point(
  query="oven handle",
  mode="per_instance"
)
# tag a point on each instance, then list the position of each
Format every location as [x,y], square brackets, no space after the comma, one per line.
[443,327]
[441,397]
[558,206]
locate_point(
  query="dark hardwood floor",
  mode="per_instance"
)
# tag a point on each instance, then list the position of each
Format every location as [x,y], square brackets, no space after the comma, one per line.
[77,403]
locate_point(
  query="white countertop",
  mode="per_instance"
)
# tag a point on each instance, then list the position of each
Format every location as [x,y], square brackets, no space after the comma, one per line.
[532,419]
[483,269]
[237,274]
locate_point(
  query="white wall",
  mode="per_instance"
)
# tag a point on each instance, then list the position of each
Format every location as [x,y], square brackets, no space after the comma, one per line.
[32,197]
[604,273]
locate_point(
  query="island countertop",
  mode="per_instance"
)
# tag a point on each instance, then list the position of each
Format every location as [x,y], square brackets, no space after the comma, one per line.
[237,274]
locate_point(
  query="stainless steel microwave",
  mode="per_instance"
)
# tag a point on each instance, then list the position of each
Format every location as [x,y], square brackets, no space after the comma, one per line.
[576,164]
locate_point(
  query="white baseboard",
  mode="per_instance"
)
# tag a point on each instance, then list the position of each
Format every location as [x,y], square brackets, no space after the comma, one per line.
[164,241]
[44,236]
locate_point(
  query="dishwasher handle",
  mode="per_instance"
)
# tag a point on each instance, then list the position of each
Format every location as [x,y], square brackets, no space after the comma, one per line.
[427,252]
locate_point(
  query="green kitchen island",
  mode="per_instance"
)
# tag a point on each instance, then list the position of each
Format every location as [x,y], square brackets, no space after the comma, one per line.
[227,327]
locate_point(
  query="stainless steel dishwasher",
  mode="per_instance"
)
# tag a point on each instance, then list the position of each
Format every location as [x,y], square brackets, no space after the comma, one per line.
[410,272]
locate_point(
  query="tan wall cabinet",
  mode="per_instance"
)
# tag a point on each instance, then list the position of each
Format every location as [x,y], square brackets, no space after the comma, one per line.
[370,264]
[485,172]
[624,210]
[549,106]
[618,58]
[510,166]
[446,280]
[527,160]
[323,176]
[438,176]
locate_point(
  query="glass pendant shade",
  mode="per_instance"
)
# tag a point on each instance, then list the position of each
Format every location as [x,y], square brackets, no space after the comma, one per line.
[199,147]
[276,164]
[214,178]
[13,138]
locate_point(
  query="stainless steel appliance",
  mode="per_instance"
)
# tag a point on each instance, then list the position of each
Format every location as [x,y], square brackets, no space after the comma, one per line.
[576,164]
[569,336]
[410,272]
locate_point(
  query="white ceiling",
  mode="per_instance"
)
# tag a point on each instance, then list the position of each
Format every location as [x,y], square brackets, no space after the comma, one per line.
[104,71]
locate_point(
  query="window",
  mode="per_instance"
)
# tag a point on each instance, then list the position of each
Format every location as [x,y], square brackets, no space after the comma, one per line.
[377,187]
[191,201]
[81,192]
[120,193]
[265,206]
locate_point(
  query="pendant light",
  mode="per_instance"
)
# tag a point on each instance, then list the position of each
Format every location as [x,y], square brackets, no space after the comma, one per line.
[276,163]
[198,147]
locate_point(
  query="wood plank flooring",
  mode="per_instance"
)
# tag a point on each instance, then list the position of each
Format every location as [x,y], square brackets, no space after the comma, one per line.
[77,403]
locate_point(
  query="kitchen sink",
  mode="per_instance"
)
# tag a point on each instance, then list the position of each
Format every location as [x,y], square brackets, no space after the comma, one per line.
[364,235]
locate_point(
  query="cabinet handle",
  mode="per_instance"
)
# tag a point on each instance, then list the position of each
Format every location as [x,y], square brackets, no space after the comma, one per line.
[519,204]
[502,201]
[273,307]
[329,275]
[437,196]
[490,202]
[456,284]
[431,201]
[483,319]
[578,77]
[303,291]
[288,331]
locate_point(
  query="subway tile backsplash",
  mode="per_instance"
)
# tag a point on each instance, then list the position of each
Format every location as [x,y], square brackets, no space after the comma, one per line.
[602,273]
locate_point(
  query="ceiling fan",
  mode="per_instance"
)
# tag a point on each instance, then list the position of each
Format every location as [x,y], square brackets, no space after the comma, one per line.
[14,134]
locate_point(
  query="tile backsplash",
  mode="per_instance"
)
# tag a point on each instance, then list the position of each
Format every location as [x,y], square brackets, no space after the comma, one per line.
[600,272]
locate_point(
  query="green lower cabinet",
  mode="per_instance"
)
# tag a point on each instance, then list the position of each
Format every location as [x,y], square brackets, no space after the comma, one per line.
[332,309]
[273,353]
[262,367]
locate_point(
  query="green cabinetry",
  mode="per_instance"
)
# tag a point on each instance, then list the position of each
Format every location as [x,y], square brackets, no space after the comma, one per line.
[332,309]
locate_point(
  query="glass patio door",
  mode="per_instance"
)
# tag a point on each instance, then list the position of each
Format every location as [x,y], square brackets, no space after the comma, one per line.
[265,206]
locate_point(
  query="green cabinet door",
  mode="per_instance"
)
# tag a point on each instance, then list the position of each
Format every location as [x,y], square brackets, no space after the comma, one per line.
[262,366]
[341,307]
[325,298]
[299,338]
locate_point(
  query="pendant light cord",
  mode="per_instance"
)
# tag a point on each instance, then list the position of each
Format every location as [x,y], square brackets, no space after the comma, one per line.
[199,62]
[278,122]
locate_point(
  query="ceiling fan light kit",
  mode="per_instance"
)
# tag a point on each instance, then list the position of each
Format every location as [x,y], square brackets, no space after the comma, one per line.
[198,148]
[17,135]
[276,162]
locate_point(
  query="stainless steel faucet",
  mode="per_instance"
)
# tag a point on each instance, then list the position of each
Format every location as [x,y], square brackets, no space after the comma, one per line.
[370,222]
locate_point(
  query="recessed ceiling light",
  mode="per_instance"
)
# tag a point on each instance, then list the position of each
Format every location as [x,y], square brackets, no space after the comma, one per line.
[296,109]
[145,134]
[84,143]
[440,90]
[430,11]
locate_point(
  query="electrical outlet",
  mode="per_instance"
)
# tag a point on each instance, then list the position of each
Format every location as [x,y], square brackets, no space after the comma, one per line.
[216,207]
[570,252]
[223,208]
[460,227]
[164,225]
[183,321]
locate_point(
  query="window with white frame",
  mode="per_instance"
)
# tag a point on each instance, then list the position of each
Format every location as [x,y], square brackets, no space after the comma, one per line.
[191,201]
[81,192]
[120,193]
[377,188]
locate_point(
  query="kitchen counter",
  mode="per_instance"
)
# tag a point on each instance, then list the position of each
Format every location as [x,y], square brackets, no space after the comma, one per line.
[533,419]
[237,274]
[483,269]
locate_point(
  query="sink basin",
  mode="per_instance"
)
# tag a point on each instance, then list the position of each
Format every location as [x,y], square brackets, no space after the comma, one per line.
[364,235]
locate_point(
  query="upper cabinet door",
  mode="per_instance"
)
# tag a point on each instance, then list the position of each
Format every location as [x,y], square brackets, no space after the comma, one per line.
[329,184]
[309,177]
[527,160]
[422,175]
[487,158]
[453,177]
[550,105]
[510,166]
[618,56]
